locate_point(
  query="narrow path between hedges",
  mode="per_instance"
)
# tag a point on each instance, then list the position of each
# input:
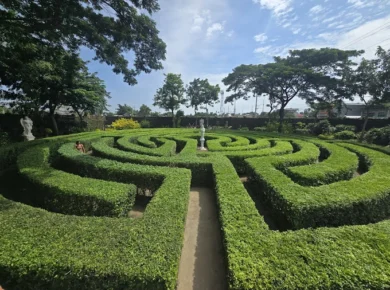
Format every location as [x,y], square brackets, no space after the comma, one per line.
[202,265]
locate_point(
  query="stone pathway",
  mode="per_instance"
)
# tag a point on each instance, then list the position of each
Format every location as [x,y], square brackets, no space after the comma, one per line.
[202,265]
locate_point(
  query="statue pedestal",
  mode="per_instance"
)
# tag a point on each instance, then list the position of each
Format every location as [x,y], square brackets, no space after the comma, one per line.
[30,137]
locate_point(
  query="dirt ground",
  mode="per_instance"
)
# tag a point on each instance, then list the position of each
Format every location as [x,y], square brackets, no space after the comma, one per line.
[202,265]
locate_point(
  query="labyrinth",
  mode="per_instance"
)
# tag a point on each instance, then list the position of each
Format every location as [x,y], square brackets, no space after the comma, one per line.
[294,213]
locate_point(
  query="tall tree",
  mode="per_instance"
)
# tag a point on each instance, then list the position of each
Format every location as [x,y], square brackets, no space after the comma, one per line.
[125,110]
[201,94]
[57,77]
[171,95]
[287,78]
[144,111]
[110,28]
[370,83]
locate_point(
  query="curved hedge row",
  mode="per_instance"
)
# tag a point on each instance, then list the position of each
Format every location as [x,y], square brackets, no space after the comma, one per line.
[45,250]
[66,193]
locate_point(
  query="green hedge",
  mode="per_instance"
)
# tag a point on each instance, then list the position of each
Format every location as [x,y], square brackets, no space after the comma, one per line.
[66,193]
[43,250]
[340,165]
[364,199]
[166,148]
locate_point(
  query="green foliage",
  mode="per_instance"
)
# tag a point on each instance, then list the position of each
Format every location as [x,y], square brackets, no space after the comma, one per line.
[326,137]
[125,124]
[378,136]
[125,110]
[71,194]
[4,138]
[336,215]
[171,95]
[144,111]
[345,135]
[260,129]
[201,93]
[145,124]
[342,127]
[77,23]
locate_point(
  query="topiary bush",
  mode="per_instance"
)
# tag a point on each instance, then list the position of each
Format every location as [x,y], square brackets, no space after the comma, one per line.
[378,136]
[345,135]
[124,124]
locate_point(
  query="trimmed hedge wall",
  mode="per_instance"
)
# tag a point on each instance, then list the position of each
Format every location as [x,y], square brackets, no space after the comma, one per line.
[45,250]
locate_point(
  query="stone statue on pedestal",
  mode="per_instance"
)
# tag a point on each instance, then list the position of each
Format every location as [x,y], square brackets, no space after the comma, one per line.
[202,130]
[27,125]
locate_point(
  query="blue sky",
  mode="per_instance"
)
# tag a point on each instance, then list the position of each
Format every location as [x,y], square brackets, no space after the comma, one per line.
[208,38]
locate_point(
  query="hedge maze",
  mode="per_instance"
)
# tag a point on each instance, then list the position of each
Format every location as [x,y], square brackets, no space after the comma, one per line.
[310,214]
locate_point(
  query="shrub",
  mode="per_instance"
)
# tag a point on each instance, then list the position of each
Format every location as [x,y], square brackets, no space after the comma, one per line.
[243,129]
[4,138]
[378,136]
[260,129]
[302,131]
[326,137]
[345,135]
[322,127]
[300,125]
[145,124]
[124,124]
[341,127]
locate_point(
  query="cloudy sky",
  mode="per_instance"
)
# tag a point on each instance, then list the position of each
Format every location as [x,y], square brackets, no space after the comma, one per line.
[208,38]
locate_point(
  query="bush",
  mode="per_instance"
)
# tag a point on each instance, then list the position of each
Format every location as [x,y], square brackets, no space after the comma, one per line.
[124,124]
[378,136]
[145,124]
[345,135]
[326,137]
[322,127]
[243,129]
[260,129]
[4,138]
[300,125]
[303,131]
[341,127]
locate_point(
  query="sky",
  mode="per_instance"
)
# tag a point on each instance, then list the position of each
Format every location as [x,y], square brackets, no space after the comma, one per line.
[209,38]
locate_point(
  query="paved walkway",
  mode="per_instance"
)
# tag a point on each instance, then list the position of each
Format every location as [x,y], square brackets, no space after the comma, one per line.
[202,265]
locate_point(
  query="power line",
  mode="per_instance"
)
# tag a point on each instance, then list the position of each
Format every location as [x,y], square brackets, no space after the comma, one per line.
[387,39]
[368,34]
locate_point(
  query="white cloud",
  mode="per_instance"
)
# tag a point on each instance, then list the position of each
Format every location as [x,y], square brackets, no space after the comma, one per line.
[361,4]
[316,9]
[278,7]
[261,37]
[296,30]
[214,28]
[230,33]
[264,49]
[199,19]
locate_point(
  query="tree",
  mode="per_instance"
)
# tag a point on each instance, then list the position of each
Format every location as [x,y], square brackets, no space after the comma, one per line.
[110,28]
[287,78]
[201,94]
[171,95]
[144,111]
[54,78]
[125,110]
[370,83]
[87,94]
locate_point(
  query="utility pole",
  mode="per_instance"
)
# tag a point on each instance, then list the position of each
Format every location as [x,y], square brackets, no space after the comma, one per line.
[256,105]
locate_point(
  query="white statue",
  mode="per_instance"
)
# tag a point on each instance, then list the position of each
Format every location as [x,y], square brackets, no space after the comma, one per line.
[202,130]
[27,125]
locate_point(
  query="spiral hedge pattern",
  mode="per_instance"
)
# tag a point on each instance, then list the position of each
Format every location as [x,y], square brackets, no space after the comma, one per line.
[333,200]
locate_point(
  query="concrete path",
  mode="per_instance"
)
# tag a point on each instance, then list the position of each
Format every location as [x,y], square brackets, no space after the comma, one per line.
[202,265]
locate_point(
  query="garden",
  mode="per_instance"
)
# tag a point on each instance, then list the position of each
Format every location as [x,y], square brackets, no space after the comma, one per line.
[295,211]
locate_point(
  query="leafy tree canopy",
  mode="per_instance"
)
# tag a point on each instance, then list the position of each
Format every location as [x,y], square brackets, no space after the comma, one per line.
[286,78]
[202,93]
[144,111]
[125,110]
[111,28]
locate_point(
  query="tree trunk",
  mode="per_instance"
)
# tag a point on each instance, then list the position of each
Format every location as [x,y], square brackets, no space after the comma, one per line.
[196,119]
[364,126]
[173,119]
[54,123]
[281,119]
